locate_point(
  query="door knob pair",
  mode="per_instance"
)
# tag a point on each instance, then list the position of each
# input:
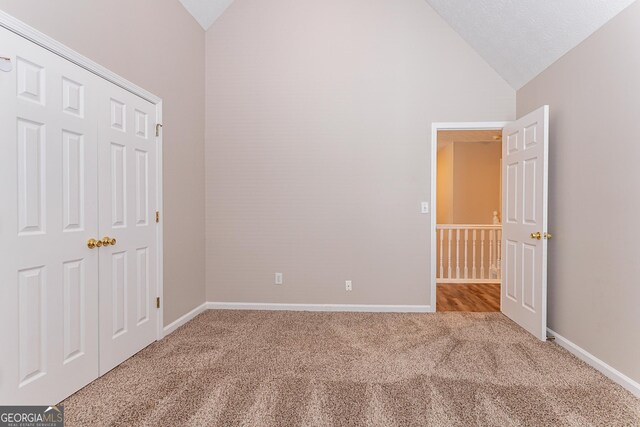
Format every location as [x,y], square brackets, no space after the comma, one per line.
[105,241]
[539,236]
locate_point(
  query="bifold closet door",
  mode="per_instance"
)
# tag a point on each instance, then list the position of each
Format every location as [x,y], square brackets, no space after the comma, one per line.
[127,200]
[48,211]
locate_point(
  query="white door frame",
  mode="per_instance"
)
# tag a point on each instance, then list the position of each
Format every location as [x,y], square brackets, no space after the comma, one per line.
[20,28]
[435,127]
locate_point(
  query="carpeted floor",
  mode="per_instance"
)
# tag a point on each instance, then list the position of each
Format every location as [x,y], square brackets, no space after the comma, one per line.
[229,368]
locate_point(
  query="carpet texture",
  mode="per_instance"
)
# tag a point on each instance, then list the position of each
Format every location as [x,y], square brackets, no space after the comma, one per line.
[227,368]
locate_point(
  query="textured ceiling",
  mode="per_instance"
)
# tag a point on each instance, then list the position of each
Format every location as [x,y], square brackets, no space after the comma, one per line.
[518,38]
[206,11]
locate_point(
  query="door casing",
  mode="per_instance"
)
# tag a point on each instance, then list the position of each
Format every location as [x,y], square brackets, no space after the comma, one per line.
[435,127]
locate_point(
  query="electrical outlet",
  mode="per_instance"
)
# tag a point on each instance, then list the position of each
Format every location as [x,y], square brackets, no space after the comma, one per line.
[348,286]
[278,279]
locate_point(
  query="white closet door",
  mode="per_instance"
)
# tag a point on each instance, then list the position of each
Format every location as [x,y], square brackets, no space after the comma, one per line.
[48,177]
[127,200]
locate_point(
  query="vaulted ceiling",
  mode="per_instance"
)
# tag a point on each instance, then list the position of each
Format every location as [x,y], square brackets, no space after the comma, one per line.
[518,38]
[206,11]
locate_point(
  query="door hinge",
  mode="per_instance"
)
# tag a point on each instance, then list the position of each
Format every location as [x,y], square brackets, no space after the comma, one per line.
[157,216]
[158,127]
[5,64]
[158,302]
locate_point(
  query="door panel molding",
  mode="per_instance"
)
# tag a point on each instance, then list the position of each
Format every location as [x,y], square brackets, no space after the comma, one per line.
[126,179]
[49,292]
[54,101]
[38,38]
[527,268]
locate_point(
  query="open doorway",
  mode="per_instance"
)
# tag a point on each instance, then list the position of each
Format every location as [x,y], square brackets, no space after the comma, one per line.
[468,219]
[523,232]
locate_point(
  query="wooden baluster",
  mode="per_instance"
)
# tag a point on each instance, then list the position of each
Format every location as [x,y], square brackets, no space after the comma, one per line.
[474,273]
[466,251]
[482,276]
[449,250]
[458,253]
[442,254]
[491,264]
[499,254]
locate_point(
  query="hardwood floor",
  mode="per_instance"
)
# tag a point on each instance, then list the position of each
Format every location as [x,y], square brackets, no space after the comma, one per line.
[476,298]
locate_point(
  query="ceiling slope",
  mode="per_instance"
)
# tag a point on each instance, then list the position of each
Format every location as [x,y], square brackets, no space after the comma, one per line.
[206,11]
[518,38]
[521,38]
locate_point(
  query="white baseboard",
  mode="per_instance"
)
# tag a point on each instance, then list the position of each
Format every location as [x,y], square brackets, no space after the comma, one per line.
[184,319]
[610,372]
[321,307]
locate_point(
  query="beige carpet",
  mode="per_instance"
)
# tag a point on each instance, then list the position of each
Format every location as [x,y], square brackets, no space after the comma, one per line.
[228,368]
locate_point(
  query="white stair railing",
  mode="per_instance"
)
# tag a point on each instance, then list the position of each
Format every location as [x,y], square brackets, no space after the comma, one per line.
[478,245]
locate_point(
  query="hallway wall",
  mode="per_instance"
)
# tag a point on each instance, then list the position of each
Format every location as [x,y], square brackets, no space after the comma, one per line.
[468,181]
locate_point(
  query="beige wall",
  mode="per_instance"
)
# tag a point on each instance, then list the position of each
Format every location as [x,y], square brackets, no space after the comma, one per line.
[476,185]
[159,46]
[318,146]
[594,268]
[468,182]
[444,183]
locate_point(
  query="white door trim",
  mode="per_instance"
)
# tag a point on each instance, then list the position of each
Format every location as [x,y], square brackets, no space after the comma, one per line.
[160,226]
[20,28]
[435,127]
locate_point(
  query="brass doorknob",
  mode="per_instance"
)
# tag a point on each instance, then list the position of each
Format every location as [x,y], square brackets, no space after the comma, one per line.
[93,243]
[107,241]
[536,236]
[548,236]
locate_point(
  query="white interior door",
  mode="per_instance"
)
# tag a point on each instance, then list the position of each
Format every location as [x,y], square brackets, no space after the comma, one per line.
[48,177]
[127,200]
[525,152]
